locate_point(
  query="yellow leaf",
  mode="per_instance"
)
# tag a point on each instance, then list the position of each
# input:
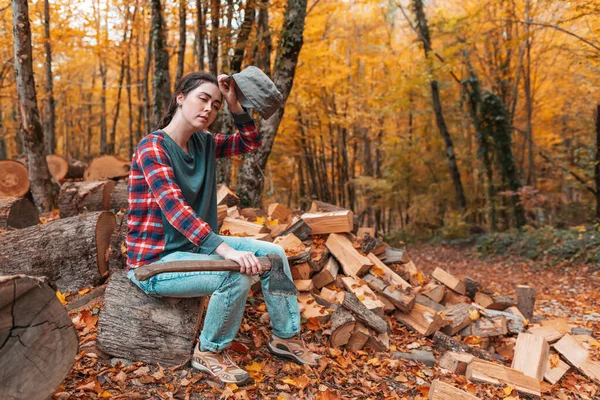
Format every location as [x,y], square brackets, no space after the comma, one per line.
[281,397]
[84,291]
[232,386]
[554,358]
[377,271]
[420,278]
[508,390]
[271,223]
[474,314]
[260,221]
[290,381]
[61,297]
[254,367]
[595,344]
[361,297]
[105,394]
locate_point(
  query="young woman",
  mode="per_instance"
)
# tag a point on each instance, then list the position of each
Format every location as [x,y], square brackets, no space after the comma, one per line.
[173,216]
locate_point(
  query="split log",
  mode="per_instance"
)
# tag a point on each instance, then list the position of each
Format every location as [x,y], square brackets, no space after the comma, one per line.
[427,302]
[434,292]
[139,327]
[58,166]
[526,300]
[311,309]
[331,222]
[359,337]
[106,167]
[363,314]
[455,362]
[396,256]
[71,252]
[327,274]
[457,317]
[388,306]
[424,320]
[451,297]
[550,333]
[17,213]
[555,369]
[486,327]
[76,169]
[221,214]
[514,323]
[226,196]
[234,212]
[381,270]
[499,303]
[370,244]
[80,197]
[333,296]
[443,342]
[578,356]
[318,206]
[449,280]
[237,227]
[304,285]
[487,372]
[118,196]
[39,341]
[14,179]
[291,244]
[364,293]
[342,326]
[301,271]
[353,263]
[251,214]
[443,391]
[117,258]
[531,355]
[560,324]
[400,299]
[412,273]
[280,212]
[299,228]
[378,341]
[366,230]
[472,287]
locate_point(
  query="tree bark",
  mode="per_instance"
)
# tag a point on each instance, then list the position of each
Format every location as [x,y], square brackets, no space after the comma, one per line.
[31,128]
[213,45]
[251,178]
[263,39]
[597,166]
[200,33]
[36,334]
[242,38]
[80,197]
[50,128]
[161,90]
[17,213]
[181,49]
[71,252]
[437,106]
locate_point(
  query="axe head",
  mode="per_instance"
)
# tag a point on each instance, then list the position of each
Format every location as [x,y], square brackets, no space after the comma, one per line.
[279,283]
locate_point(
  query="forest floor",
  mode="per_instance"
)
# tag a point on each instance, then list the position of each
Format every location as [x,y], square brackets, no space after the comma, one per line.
[567,291]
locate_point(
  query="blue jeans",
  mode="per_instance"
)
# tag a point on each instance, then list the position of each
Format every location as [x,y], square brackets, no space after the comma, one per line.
[228,293]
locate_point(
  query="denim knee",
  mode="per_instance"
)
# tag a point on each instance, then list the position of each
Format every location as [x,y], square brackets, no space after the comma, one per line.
[242,282]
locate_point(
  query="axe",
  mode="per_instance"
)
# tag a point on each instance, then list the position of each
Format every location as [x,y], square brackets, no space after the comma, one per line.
[279,283]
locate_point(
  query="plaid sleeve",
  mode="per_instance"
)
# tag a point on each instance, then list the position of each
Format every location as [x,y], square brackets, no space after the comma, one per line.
[246,140]
[155,164]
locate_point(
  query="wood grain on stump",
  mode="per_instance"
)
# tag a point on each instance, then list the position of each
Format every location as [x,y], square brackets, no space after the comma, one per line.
[117,258]
[58,166]
[38,341]
[14,179]
[106,167]
[71,252]
[83,196]
[139,327]
[17,212]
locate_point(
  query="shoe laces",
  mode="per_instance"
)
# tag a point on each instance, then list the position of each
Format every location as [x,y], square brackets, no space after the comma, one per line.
[227,358]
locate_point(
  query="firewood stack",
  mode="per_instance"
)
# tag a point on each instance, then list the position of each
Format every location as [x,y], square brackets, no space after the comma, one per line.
[352,285]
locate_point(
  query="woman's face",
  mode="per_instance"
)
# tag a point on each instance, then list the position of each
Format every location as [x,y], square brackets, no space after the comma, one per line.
[201,106]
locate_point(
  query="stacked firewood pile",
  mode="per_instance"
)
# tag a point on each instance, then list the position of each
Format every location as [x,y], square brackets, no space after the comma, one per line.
[353,285]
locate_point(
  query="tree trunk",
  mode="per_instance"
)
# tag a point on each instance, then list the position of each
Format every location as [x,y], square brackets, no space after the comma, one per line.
[263,40]
[37,334]
[145,90]
[49,130]
[200,33]
[103,127]
[213,45]
[437,107]
[181,49]
[31,128]
[81,197]
[597,166]
[242,38]
[71,252]
[251,178]
[528,96]
[161,90]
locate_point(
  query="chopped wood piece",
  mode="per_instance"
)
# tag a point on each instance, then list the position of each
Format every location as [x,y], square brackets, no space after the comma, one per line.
[388,306]
[560,324]
[311,309]
[106,167]
[401,300]
[386,273]
[304,285]
[334,296]
[434,292]
[37,335]
[237,227]
[317,206]
[526,300]
[514,323]
[499,303]
[443,391]
[443,342]
[531,355]
[76,169]
[487,327]
[370,244]
[472,287]
[327,274]
[301,271]
[291,244]
[330,222]
[555,369]
[412,273]
[17,213]
[58,166]
[396,256]
[84,196]
[422,319]
[279,212]
[359,337]
[578,356]
[550,333]
[427,302]
[451,297]
[514,311]
[457,317]
[251,214]
[15,179]
[299,228]
[342,326]
[363,314]
[233,212]
[455,362]
[221,214]
[378,342]
[353,263]
[226,196]
[449,280]
[369,231]
[487,372]
[364,293]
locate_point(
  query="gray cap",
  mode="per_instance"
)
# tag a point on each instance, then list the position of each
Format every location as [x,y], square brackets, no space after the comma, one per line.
[255,90]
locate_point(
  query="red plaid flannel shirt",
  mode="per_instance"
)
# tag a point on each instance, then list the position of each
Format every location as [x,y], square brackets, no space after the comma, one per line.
[152,191]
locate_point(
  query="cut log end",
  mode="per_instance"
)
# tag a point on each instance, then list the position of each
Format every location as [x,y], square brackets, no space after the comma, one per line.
[16,212]
[58,166]
[104,229]
[106,167]
[14,179]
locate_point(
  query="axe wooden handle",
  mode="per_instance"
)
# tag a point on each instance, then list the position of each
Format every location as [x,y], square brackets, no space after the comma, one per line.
[148,271]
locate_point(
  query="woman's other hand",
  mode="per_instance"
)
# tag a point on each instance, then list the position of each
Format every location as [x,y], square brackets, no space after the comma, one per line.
[227,88]
[249,263]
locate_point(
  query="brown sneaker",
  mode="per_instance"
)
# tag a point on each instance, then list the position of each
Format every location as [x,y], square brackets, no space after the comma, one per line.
[294,349]
[220,365]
